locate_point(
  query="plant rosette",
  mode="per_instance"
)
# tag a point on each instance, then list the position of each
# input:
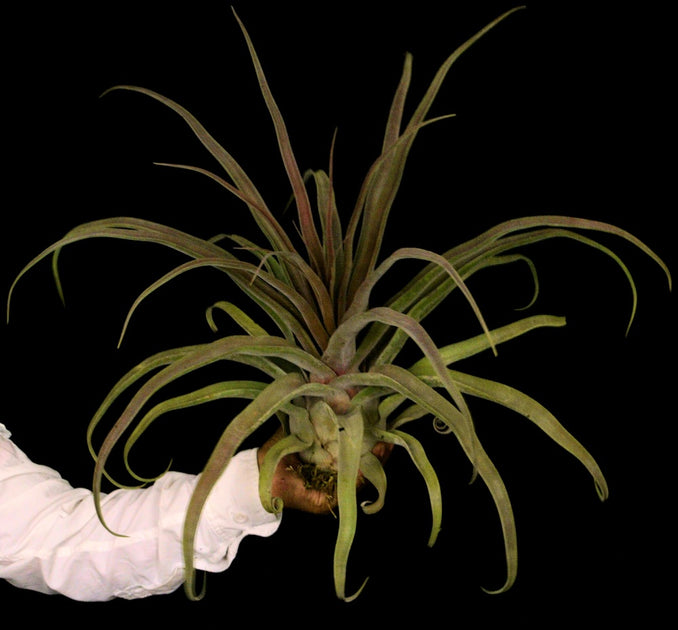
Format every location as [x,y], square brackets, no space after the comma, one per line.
[330,376]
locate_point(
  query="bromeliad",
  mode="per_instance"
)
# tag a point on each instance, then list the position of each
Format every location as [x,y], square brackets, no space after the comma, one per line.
[326,353]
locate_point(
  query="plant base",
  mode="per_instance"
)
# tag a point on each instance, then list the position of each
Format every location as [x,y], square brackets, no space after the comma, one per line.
[316,478]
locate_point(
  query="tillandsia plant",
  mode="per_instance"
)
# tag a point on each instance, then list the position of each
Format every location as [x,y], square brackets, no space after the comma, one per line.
[328,357]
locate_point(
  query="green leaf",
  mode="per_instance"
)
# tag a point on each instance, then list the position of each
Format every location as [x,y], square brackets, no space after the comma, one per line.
[123,228]
[469,347]
[247,191]
[275,397]
[361,298]
[421,461]
[350,450]
[300,316]
[342,342]
[306,223]
[403,382]
[385,180]
[244,424]
[144,368]
[289,444]
[210,393]
[374,472]
[361,262]
[537,414]
[238,315]
[228,348]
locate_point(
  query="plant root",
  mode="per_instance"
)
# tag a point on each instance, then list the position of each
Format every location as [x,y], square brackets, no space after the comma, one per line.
[320,479]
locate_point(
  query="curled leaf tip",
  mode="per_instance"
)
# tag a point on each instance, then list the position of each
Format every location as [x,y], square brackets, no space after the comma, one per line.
[497,591]
[351,598]
[602,489]
[276,505]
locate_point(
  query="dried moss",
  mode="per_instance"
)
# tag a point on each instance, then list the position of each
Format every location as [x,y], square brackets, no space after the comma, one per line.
[317,478]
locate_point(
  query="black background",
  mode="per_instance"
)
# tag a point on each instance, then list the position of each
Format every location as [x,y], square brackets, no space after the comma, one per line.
[564,109]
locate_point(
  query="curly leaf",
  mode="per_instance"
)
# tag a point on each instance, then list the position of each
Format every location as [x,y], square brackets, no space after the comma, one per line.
[421,461]
[245,189]
[299,316]
[245,423]
[228,348]
[216,391]
[342,342]
[374,472]
[286,446]
[536,413]
[403,382]
[348,467]
[238,315]
[273,398]
[362,295]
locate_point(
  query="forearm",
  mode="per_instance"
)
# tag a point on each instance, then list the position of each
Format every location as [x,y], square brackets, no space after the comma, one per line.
[52,541]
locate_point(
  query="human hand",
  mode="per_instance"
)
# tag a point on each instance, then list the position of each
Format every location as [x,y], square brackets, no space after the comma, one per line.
[289,485]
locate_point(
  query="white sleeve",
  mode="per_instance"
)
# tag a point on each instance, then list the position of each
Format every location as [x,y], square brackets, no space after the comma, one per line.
[52,541]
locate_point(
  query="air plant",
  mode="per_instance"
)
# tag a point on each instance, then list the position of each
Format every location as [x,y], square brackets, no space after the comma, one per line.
[326,354]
